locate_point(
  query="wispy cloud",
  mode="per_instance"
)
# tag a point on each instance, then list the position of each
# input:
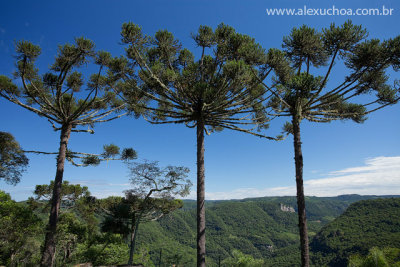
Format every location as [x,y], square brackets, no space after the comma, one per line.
[378,176]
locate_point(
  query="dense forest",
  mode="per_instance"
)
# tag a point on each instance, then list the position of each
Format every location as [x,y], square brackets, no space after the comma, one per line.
[366,224]
[259,231]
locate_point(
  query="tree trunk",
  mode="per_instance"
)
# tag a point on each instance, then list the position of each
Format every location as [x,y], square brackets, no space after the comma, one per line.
[48,255]
[159,261]
[103,248]
[301,205]
[201,215]
[135,226]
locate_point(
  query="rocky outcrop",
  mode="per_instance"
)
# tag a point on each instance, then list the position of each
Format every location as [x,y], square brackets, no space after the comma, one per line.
[287,208]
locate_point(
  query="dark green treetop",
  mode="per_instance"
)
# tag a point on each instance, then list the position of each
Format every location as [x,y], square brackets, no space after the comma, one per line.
[219,89]
[312,97]
[69,192]
[13,161]
[57,95]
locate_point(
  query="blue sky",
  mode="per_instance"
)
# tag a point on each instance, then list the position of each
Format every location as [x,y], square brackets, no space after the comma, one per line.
[339,157]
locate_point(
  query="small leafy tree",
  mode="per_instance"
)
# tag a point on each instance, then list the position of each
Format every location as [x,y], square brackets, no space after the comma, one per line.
[13,161]
[70,194]
[70,232]
[86,209]
[300,95]
[215,92]
[75,200]
[240,259]
[151,198]
[19,229]
[57,95]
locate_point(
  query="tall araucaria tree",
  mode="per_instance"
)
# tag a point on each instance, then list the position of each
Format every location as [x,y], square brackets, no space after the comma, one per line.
[218,91]
[300,95]
[57,96]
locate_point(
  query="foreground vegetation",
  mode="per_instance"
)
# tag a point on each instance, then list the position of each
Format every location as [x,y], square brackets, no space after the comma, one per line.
[250,232]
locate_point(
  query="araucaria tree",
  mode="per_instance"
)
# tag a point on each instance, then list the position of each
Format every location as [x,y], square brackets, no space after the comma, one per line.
[302,95]
[57,96]
[152,196]
[217,91]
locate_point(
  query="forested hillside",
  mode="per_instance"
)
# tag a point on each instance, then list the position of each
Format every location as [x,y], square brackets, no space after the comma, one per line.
[262,228]
[365,224]
[257,227]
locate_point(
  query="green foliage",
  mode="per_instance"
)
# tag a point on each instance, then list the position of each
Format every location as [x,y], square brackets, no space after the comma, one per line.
[13,161]
[19,228]
[112,254]
[256,227]
[57,95]
[110,151]
[91,160]
[305,43]
[70,232]
[86,208]
[364,225]
[128,154]
[215,89]
[239,259]
[376,257]
[70,193]
[300,93]
[152,197]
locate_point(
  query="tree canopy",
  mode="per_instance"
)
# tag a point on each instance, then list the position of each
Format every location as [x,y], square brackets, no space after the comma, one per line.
[13,161]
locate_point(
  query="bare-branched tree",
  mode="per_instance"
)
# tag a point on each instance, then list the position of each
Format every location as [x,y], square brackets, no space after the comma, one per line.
[152,196]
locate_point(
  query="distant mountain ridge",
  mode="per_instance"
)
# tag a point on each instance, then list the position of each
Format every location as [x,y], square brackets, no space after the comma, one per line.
[255,226]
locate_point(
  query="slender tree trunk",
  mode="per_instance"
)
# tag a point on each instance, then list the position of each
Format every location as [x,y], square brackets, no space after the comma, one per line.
[301,205]
[135,226]
[201,214]
[48,255]
[102,249]
[159,261]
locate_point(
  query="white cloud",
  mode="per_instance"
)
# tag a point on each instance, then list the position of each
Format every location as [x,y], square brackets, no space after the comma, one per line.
[107,193]
[379,176]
